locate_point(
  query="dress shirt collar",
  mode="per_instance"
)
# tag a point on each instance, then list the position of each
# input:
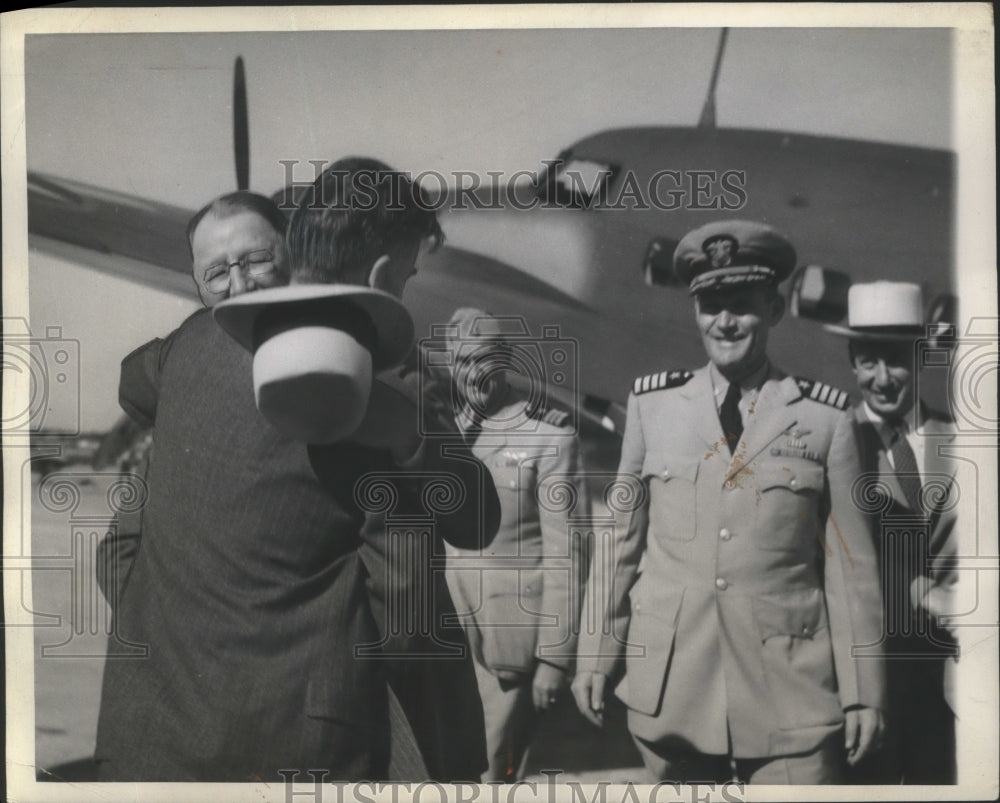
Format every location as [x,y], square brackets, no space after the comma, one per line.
[749,385]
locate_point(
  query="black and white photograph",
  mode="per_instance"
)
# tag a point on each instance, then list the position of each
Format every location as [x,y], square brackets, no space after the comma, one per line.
[500,403]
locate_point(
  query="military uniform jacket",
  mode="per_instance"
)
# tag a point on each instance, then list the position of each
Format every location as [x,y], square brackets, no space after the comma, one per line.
[519,599]
[739,583]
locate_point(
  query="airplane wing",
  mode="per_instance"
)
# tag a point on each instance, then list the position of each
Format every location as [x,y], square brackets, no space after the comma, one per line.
[146,242]
[120,234]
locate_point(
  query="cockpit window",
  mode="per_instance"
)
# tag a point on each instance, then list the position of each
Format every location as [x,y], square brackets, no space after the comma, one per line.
[578,183]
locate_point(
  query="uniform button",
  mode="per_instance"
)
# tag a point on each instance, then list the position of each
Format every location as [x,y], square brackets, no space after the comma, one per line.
[666,475]
[637,606]
[513,483]
[724,534]
[721,584]
[793,482]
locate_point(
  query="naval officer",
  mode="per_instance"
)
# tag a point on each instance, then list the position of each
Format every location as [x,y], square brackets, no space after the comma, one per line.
[520,601]
[758,574]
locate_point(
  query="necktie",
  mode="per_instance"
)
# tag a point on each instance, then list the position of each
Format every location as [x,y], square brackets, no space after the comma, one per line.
[729,416]
[907,471]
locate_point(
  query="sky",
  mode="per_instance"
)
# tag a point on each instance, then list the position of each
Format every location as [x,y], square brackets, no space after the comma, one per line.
[150,115]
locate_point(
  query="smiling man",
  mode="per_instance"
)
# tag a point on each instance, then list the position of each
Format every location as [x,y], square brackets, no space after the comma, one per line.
[520,602]
[903,454]
[237,245]
[260,574]
[758,573]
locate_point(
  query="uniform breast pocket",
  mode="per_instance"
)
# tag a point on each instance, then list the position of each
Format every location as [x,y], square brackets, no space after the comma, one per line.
[671,497]
[787,504]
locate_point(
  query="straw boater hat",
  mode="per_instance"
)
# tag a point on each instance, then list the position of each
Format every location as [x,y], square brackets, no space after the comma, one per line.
[316,348]
[883,311]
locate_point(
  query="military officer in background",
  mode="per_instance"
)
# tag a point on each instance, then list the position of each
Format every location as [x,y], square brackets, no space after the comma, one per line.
[758,573]
[520,601]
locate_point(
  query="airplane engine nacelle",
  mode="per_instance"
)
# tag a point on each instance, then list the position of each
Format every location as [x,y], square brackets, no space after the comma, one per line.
[819,294]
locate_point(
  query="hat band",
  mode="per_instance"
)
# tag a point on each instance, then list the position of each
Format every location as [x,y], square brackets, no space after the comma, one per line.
[897,329]
[333,313]
[734,276]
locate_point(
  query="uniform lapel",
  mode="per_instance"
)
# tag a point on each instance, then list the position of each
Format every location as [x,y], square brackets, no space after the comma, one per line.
[768,420]
[700,393]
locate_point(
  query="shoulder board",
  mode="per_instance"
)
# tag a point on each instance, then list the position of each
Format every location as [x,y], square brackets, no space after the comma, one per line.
[661,381]
[557,418]
[822,393]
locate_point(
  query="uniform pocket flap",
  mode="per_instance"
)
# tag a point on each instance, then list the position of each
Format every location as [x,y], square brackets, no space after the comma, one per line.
[659,466]
[792,478]
[650,648]
[793,616]
[664,606]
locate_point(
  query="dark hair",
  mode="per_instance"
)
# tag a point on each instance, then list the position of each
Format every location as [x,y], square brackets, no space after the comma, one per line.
[852,349]
[356,211]
[232,204]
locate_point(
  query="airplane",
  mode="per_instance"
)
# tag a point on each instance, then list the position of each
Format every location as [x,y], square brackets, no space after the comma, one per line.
[592,257]
[601,274]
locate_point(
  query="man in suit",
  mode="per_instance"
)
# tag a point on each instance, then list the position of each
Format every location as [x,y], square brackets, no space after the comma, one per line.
[252,589]
[913,491]
[250,227]
[743,574]
[520,603]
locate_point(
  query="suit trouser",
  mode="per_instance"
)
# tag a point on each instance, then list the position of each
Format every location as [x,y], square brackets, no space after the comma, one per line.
[824,765]
[920,728]
[511,719]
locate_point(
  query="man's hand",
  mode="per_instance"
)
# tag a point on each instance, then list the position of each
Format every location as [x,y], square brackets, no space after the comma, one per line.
[863,730]
[588,691]
[937,599]
[546,684]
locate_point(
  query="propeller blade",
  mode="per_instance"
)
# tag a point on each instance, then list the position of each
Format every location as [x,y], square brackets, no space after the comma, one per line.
[707,119]
[241,127]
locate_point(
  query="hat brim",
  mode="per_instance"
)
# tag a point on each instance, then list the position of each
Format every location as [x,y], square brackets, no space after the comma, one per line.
[900,333]
[393,325]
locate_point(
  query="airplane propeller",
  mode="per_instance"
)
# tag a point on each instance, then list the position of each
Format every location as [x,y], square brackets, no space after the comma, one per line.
[241,127]
[707,119]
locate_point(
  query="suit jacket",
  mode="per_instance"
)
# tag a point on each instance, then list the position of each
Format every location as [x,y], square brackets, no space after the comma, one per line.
[252,587]
[758,573]
[909,572]
[520,602]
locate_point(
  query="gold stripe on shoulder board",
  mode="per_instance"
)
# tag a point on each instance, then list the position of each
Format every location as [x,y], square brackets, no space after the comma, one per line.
[660,381]
[822,393]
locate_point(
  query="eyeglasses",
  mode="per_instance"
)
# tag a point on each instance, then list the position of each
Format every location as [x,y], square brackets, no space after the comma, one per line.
[255,263]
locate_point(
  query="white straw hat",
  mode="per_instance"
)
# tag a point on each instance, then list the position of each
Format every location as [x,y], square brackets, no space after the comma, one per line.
[883,310]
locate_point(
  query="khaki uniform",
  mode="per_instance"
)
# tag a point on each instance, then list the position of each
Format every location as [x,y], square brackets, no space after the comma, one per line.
[519,600]
[739,582]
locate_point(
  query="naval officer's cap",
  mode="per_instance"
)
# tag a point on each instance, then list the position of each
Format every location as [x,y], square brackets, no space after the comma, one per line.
[733,254]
